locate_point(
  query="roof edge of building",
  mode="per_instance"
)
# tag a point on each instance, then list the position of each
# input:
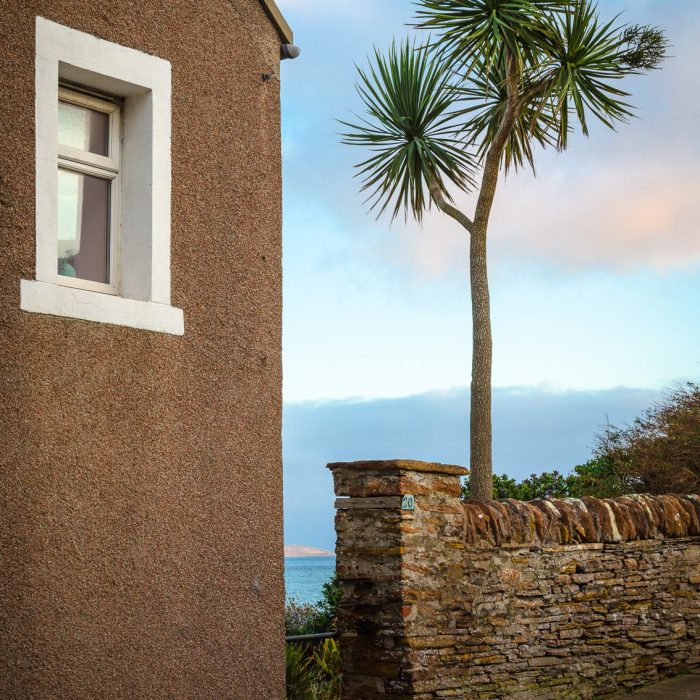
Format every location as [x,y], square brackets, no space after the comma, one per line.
[284,30]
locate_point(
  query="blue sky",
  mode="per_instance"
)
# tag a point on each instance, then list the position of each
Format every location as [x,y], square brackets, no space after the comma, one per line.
[595,274]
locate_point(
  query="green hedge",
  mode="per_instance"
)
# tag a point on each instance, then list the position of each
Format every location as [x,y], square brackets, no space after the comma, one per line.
[597,477]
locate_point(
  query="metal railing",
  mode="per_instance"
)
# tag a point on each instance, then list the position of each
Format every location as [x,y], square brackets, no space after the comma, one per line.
[311,637]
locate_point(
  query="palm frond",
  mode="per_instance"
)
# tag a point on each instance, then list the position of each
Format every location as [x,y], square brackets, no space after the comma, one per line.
[412,130]
[482,30]
[568,63]
[586,59]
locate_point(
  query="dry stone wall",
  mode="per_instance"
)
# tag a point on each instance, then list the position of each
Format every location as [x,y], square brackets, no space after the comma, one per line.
[548,599]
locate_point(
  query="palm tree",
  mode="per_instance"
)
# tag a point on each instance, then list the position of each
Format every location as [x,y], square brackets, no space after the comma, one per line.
[498,78]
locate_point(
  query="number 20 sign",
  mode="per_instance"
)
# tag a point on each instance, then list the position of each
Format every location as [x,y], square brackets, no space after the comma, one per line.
[408,502]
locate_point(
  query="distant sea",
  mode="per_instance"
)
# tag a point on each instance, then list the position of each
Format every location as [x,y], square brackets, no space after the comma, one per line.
[304,577]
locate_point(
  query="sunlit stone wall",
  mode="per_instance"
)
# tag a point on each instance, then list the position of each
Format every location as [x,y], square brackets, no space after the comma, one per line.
[552,599]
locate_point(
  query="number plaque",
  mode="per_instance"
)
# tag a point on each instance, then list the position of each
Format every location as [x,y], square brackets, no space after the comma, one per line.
[408,502]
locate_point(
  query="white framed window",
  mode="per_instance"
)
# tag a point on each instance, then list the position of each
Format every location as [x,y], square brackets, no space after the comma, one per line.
[102,183]
[88,215]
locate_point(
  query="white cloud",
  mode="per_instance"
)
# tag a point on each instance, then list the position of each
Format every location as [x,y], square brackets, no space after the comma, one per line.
[619,214]
[630,214]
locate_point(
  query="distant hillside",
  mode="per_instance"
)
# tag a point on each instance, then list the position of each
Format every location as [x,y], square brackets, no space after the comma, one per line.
[300,550]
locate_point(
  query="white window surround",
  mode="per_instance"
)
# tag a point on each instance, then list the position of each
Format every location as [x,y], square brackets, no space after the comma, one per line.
[144,238]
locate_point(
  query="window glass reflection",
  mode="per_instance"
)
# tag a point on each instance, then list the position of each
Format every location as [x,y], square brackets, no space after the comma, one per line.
[83,226]
[83,128]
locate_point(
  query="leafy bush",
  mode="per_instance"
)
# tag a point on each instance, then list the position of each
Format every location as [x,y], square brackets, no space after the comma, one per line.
[328,605]
[313,673]
[301,618]
[313,670]
[326,660]
[308,618]
[659,452]
[300,681]
[598,477]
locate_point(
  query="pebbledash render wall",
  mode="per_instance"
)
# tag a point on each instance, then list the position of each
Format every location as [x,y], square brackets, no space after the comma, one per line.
[141,551]
[548,599]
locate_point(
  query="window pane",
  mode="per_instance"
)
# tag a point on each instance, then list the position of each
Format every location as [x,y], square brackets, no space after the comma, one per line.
[83,128]
[83,226]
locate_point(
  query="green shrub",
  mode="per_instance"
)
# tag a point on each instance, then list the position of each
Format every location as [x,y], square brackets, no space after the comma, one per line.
[598,477]
[308,618]
[328,605]
[313,671]
[301,618]
[300,677]
[326,661]
[659,452]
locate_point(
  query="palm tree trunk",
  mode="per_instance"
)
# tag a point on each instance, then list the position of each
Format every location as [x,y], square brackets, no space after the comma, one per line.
[480,432]
[480,438]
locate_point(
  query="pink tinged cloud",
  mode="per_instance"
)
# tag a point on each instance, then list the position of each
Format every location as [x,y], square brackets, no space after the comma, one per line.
[634,215]
[631,215]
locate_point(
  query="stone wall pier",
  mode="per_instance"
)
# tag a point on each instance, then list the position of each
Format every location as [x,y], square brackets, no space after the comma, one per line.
[563,598]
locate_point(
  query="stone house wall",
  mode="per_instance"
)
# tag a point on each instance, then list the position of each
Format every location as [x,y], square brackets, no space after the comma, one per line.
[559,599]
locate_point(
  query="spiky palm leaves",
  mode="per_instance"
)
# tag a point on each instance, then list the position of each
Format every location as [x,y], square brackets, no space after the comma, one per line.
[564,61]
[412,130]
[429,107]
[485,29]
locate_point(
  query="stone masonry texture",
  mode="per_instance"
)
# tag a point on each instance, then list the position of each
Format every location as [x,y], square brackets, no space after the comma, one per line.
[141,550]
[562,598]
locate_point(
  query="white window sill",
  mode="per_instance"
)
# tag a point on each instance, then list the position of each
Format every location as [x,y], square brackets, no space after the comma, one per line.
[58,300]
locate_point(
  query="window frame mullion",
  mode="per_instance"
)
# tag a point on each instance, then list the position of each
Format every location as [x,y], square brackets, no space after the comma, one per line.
[106,167]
